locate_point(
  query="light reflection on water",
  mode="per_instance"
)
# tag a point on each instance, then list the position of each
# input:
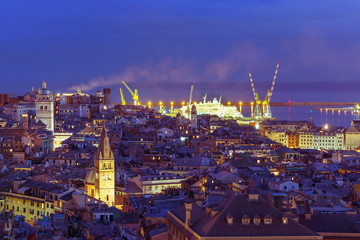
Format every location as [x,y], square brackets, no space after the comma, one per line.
[320,118]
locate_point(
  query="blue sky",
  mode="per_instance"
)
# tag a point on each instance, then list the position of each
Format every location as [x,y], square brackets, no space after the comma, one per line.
[162,47]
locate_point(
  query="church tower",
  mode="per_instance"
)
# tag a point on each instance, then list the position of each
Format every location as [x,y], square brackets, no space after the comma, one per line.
[193,117]
[104,168]
[45,107]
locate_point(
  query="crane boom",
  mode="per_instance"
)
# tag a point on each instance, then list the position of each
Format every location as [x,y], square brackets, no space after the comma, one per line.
[161,109]
[253,87]
[273,83]
[134,95]
[122,97]
[191,93]
[131,92]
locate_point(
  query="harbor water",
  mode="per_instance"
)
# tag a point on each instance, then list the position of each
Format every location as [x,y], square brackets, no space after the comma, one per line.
[318,117]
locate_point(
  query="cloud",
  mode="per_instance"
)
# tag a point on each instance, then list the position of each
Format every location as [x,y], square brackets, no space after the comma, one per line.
[165,70]
[169,70]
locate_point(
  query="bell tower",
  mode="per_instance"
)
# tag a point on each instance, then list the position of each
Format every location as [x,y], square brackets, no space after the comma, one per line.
[45,107]
[104,167]
[193,116]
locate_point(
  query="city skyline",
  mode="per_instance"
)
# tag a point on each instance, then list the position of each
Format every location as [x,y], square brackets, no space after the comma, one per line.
[167,47]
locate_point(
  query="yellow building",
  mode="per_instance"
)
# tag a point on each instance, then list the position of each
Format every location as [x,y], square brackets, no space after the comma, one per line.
[100,182]
[155,184]
[29,207]
[306,140]
[278,136]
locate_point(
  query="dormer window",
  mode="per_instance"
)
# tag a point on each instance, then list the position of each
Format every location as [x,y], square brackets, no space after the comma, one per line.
[245,219]
[257,219]
[267,219]
[229,219]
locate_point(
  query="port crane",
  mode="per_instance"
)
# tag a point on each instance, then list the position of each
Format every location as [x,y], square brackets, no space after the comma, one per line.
[263,106]
[257,111]
[134,95]
[266,102]
[190,101]
[123,102]
[161,109]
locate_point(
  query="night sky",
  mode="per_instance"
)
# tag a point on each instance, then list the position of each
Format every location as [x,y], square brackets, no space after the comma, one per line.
[162,47]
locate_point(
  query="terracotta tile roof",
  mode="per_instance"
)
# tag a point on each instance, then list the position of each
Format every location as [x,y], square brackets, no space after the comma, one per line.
[240,206]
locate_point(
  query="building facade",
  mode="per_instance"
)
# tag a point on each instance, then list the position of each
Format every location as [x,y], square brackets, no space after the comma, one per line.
[45,107]
[100,182]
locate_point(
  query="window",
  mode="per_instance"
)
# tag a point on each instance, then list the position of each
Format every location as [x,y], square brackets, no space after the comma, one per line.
[245,221]
[267,220]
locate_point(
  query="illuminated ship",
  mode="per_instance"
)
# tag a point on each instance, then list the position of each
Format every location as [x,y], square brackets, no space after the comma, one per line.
[213,107]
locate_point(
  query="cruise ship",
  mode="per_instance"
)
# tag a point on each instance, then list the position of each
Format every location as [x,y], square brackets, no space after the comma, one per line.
[213,107]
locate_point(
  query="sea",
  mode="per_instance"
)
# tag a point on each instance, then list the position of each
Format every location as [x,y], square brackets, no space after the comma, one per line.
[318,117]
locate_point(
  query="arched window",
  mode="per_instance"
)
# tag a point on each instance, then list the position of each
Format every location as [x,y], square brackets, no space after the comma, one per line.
[107,197]
[41,108]
[45,108]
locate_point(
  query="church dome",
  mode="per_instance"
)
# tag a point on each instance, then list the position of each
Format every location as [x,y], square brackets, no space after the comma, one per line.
[90,177]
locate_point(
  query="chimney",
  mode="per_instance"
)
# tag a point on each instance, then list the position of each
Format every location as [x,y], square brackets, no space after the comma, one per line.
[188,207]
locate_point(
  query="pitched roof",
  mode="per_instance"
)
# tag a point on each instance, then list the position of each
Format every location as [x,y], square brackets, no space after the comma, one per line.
[333,223]
[352,129]
[238,206]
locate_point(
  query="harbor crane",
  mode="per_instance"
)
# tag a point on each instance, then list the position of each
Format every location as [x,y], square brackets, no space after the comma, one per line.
[135,95]
[266,102]
[190,101]
[263,106]
[257,111]
[123,102]
[161,109]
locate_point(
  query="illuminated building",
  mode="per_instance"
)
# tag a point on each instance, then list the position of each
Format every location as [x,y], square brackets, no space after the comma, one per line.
[279,136]
[154,184]
[16,110]
[193,116]
[45,107]
[33,199]
[100,182]
[306,139]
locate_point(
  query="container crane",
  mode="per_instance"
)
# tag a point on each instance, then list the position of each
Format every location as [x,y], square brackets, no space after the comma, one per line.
[257,111]
[266,102]
[122,97]
[135,95]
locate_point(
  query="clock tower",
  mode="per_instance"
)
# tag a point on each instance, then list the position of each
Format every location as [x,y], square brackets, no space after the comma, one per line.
[104,171]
